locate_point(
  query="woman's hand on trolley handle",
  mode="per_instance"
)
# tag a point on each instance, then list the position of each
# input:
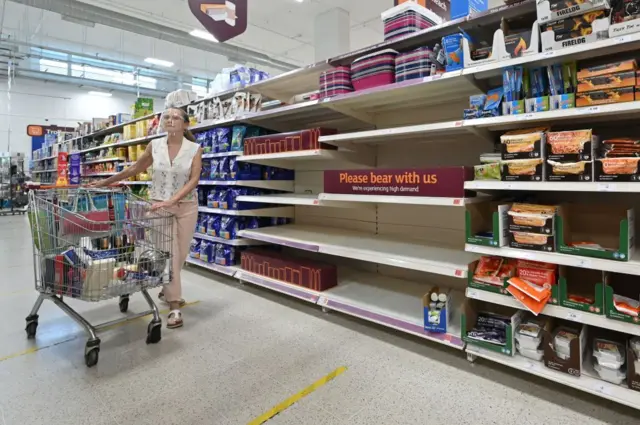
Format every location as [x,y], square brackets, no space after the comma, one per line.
[164,204]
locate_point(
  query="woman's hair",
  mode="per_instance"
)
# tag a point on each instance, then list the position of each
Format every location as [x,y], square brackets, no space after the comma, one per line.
[187,133]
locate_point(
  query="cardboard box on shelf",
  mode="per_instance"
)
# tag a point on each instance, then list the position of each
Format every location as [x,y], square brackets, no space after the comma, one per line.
[564,345]
[605,97]
[633,368]
[550,10]
[524,170]
[523,144]
[437,310]
[622,297]
[310,274]
[608,81]
[617,169]
[473,309]
[142,107]
[531,218]
[596,230]
[608,68]
[287,142]
[496,284]
[483,224]
[574,31]
[581,289]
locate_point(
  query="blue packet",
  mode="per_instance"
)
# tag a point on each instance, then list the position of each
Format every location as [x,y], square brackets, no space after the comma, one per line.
[201,139]
[225,255]
[233,168]
[213,226]
[223,199]
[202,226]
[206,252]
[214,173]
[205,173]
[212,140]
[223,139]
[237,138]
[194,248]
[248,171]
[211,199]
[233,196]
[203,194]
[252,223]
[224,168]
[254,75]
[229,228]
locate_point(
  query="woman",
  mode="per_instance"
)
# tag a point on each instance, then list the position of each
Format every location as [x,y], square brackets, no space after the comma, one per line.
[177,162]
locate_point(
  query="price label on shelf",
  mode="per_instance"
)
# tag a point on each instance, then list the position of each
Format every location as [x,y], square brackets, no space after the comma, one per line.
[606,187]
[584,263]
[524,117]
[458,124]
[602,388]
[323,301]
[593,109]
[575,316]
[623,39]
[549,54]
[472,293]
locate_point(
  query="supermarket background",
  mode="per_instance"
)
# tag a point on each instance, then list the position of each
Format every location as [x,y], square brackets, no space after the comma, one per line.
[395,198]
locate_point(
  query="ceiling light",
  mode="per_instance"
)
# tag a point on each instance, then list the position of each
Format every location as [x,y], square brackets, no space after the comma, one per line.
[204,35]
[100,93]
[299,1]
[159,62]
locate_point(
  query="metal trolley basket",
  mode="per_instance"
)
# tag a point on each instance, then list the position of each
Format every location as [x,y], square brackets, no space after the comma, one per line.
[97,244]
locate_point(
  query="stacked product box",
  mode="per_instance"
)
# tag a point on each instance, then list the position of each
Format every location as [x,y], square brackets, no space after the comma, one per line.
[437,310]
[523,153]
[572,23]
[407,18]
[618,161]
[288,142]
[609,83]
[313,275]
[570,155]
[336,81]
[624,17]
[532,227]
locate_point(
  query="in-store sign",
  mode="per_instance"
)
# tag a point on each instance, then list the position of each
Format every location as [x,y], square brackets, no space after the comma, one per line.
[35,130]
[224,19]
[63,161]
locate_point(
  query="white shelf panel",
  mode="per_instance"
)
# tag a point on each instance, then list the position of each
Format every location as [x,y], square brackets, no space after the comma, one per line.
[415,255]
[100,174]
[233,242]
[46,158]
[221,154]
[554,186]
[284,86]
[628,267]
[226,270]
[101,160]
[296,291]
[283,185]
[288,159]
[389,302]
[617,393]
[261,212]
[406,200]
[298,199]
[597,320]
[123,143]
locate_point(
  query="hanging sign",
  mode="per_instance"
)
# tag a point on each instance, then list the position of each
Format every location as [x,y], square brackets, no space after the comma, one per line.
[224,19]
[63,161]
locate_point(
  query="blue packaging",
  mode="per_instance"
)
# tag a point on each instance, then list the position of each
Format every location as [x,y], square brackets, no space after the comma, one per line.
[201,139]
[464,8]
[229,228]
[223,135]
[202,225]
[252,223]
[214,173]
[223,199]
[213,140]
[205,173]
[274,173]
[452,45]
[254,75]
[213,226]
[237,139]
[224,169]
[246,171]
[211,199]
[233,168]
[202,196]
[225,255]
[194,248]
[264,75]
[206,252]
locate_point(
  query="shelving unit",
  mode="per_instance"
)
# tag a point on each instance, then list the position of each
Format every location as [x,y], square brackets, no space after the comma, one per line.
[626,187]
[282,185]
[225,270]
[233,242]
[261,212]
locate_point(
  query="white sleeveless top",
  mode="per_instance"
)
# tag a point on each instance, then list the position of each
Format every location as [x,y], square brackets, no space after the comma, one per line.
[169,178]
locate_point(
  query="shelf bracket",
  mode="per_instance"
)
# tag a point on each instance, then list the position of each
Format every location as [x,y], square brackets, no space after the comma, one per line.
[481,133]
[362,116]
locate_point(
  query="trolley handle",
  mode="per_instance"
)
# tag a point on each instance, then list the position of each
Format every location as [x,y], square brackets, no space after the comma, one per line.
[80,186]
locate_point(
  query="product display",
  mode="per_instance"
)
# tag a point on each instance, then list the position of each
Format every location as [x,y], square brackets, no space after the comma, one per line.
[407,18]
[375,69]
[335,82]
[287,142]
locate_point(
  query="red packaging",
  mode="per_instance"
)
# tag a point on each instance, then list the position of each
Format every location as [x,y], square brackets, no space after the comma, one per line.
[297,271]
[536,265]
[288,142]
[541,277]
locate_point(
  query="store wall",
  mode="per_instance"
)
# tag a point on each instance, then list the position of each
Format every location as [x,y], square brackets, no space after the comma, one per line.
[36,102]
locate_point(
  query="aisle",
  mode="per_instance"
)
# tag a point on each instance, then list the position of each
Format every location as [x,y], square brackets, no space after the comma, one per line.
[244,350]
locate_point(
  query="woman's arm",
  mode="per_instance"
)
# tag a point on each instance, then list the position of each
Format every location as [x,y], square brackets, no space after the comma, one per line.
[141,165]
[194,179]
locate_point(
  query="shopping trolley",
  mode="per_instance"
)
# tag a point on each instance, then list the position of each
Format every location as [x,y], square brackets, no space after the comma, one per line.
[94,245]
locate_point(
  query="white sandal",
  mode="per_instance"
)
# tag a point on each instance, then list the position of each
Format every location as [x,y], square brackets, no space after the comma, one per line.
[174,320]
[162,298]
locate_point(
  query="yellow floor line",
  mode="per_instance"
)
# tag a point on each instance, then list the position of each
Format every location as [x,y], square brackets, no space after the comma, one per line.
[297,397]
[116,325]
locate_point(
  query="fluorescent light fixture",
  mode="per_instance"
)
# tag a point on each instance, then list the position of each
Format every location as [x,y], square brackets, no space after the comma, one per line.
[204,35]
[299,1]
[100,93]
[159,62]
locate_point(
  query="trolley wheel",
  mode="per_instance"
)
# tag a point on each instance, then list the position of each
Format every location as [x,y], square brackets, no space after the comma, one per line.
[154,333]
[91,357]
[31,329]
[124,304]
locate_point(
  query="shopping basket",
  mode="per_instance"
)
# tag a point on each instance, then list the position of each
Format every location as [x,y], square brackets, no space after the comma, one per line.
[94,245]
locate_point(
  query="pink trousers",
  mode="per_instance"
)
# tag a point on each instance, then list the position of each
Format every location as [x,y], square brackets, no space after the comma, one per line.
[185,216]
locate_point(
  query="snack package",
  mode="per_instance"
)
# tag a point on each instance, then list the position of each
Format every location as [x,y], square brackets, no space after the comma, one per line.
[211,199]
[612,166]
[223,136]
[533,354]
[202,225]
[490,336]
[543,278]
[254,223]
[492,321]
[223,199]
[569,168]
[626,305]
[634,343]
[521,167]
[570,145]
[205,173]
[615,376]
[531,215]
[530,303]
[608,354]
[487,171]
[201,139]
[530,238]
[194,249]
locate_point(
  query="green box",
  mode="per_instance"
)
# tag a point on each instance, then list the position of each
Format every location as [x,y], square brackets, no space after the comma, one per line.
[603,224]
[502,290]
[486,216]
[469,318]
[583,278]
[626,285]
[143,107]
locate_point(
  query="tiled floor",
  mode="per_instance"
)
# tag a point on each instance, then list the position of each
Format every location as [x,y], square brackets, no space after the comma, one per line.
[242,351]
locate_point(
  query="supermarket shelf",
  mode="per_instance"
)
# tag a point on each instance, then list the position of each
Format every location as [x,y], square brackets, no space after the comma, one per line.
[100,174]
[597,320]
[628,267]
[226,270]
[402,200]
[53,170]
[289,84]
[207,124]
[130,183]
[124,143]
[233,242]
[633,187]
[221,154]
[98,161]
[290,159]
[389,302]
[298,199]
[617,393]
[296,291]
[46,158]
[407,254]
[261,212]
[283,185]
